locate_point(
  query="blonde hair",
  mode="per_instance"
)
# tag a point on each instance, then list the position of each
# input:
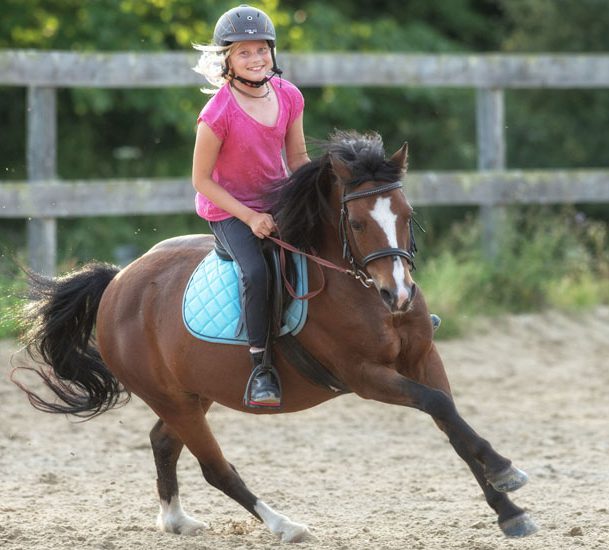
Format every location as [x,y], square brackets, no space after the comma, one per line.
[212,65]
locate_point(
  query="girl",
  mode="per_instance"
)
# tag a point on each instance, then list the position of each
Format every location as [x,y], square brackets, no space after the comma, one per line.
[241,134]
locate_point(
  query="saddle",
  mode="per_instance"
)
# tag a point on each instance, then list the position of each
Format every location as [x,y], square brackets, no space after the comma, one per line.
[211,310]
[211,307]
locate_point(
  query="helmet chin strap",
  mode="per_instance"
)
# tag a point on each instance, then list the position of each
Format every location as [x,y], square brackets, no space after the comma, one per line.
[256,83]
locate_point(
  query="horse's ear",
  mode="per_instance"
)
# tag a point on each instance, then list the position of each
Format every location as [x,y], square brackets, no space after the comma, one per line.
[400,157]
[341,170]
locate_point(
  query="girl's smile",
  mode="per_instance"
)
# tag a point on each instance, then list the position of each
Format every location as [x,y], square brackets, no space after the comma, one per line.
[251,60]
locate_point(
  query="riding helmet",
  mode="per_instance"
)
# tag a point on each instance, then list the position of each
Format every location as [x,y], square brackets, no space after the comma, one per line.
[244,23]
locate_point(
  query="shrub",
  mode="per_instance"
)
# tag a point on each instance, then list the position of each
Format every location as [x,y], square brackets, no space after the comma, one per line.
[545,260]
[12,292]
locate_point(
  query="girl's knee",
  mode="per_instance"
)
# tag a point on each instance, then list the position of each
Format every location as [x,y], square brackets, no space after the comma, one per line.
[256,275]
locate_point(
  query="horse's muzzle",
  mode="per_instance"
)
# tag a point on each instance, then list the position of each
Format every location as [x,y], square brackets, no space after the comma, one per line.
[398,301]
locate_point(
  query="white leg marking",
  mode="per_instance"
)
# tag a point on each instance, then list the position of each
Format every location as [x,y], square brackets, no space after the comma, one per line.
[280,525]
[172,519]
[387,220]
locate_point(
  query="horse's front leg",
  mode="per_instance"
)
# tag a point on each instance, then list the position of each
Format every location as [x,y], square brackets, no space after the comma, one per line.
[495,473]
[513,520]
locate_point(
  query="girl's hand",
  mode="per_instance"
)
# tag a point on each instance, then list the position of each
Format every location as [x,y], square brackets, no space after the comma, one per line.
[262,225]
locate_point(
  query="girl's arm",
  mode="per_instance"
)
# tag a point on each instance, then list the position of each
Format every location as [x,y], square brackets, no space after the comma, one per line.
[295,146]
[207,148]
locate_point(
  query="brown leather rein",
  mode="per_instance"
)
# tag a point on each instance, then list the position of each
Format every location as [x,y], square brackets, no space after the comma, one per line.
[283,246]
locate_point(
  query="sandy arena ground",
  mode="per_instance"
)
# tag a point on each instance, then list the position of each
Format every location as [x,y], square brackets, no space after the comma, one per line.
[362,475]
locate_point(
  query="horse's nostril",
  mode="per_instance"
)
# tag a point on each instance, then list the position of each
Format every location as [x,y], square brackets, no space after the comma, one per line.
[387,296]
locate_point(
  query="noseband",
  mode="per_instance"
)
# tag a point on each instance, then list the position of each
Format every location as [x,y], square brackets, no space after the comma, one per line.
[358,268]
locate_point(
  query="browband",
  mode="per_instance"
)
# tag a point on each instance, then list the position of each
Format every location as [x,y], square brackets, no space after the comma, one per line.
[371,192]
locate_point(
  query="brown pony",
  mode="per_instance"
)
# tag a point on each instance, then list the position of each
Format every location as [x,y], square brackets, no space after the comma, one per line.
[374,338]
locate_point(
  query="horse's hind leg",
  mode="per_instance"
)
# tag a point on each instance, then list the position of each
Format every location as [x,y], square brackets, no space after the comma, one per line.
[190,426]
[166,448]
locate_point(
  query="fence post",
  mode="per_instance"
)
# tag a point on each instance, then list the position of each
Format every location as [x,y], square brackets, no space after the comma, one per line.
[42,165]
[490,124]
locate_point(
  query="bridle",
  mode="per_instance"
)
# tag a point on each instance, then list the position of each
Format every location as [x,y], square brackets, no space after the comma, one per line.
[357,270]
[358,267]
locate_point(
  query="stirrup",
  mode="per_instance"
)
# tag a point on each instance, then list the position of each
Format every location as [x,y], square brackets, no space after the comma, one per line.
[261,370]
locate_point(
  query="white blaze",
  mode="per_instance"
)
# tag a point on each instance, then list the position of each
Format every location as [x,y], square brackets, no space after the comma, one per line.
[387,220]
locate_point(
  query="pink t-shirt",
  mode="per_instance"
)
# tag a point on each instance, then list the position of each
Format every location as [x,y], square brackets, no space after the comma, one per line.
[250,156]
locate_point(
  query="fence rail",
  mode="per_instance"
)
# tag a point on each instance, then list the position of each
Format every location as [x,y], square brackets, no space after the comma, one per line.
[84,198]
[173,69]
[45,197]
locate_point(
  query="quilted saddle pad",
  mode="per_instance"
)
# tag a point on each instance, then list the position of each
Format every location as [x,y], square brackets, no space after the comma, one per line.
[211,307]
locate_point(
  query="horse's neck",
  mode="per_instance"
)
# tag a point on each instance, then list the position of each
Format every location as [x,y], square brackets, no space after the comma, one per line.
[332,248]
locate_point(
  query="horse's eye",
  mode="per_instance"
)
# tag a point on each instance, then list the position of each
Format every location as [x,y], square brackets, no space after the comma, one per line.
[355,225]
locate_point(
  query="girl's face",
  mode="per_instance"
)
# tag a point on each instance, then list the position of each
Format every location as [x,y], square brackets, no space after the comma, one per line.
[251,60]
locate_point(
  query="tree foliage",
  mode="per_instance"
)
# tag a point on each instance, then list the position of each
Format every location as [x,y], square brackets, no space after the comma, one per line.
[553,128]
[111,133]
[157,125]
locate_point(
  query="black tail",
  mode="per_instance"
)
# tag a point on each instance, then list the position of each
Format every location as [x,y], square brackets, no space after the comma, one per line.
[59,318]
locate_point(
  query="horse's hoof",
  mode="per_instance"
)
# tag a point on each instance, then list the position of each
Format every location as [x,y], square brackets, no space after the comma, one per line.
[508,480]
[296,532]
[181,525]
[521,525]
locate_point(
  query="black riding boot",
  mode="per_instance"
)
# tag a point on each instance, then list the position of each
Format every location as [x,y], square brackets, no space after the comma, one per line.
[263,388]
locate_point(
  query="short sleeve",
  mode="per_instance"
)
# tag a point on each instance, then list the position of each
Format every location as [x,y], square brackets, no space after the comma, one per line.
[296,100]
[215,117]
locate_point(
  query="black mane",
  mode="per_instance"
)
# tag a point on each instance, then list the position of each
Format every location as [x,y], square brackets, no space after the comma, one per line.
[300,204]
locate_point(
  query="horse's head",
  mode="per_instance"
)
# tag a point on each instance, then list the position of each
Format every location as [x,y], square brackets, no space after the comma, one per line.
[376,219]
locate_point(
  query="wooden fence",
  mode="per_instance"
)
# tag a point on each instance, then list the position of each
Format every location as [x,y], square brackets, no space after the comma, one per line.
[44,198]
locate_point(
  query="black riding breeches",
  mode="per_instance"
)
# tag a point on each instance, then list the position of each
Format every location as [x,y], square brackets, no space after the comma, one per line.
[237,239]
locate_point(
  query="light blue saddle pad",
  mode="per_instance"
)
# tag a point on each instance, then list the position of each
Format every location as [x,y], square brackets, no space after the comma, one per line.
[211,307]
